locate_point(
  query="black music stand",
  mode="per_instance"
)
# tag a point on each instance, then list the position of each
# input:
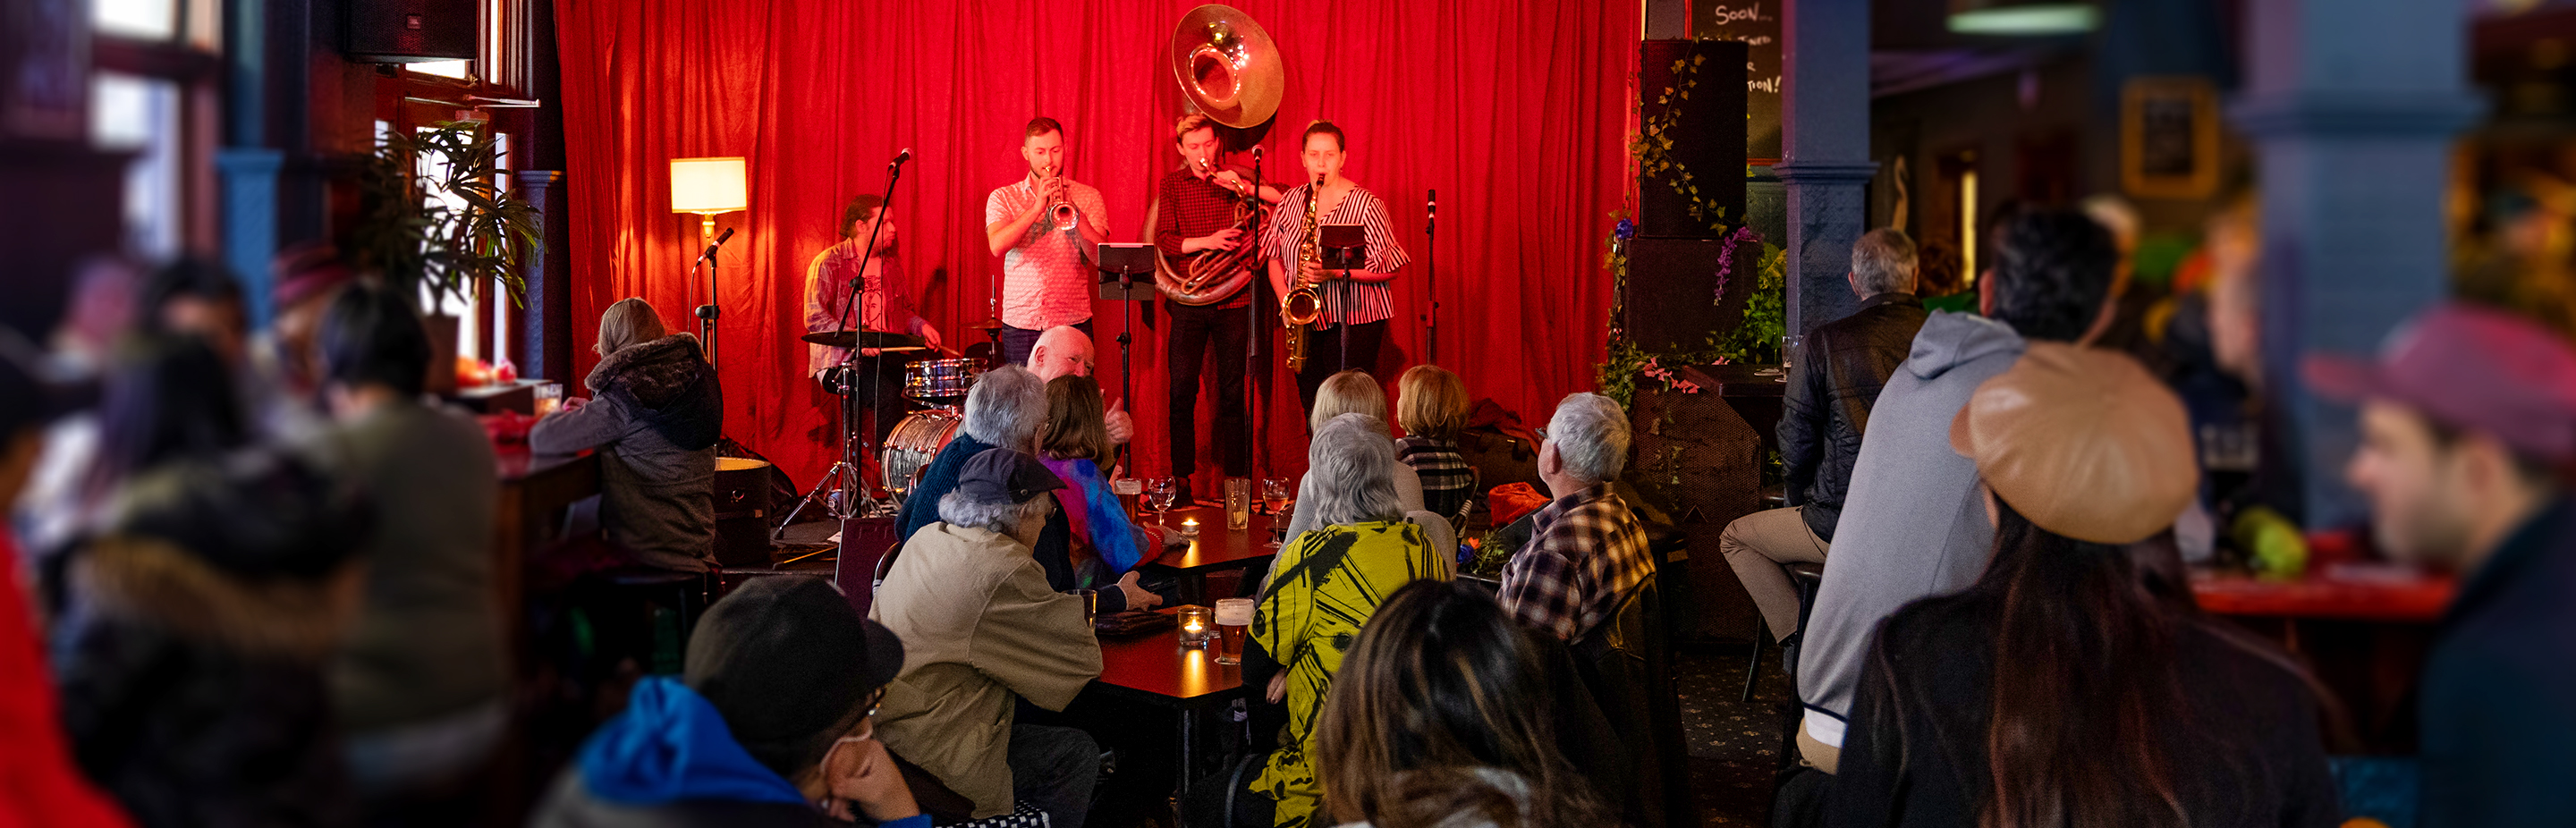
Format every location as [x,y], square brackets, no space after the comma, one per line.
[1344,247]
[1126,277]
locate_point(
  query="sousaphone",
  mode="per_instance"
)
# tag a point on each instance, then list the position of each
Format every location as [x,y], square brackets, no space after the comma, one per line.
[1229,69]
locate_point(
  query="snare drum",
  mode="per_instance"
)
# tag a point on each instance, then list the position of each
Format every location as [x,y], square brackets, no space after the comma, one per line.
[940,380]
[915,442]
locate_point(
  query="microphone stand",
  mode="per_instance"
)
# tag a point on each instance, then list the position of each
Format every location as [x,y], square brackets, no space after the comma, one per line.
[846,470]
[1430,274]
[1254,425]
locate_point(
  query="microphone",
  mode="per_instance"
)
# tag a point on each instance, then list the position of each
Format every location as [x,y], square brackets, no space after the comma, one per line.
[711,249]
[899,158]
[1256,153]
[1431,205]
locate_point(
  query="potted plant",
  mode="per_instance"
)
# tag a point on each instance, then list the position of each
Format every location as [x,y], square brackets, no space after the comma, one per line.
[430,249]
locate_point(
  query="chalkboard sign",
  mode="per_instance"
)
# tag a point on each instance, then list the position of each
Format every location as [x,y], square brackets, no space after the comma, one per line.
[1757,23]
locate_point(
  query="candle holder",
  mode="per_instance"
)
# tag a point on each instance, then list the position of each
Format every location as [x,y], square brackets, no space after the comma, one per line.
[1197,625]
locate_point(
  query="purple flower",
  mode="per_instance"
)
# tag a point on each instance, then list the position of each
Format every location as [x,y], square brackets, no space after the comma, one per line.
[1626,229]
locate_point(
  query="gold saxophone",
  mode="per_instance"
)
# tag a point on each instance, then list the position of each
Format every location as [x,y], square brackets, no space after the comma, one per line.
[1302,306]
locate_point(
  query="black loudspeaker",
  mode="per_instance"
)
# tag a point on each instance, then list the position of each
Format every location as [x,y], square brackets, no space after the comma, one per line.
[1672,300]
[742,498]
[411,31]
[1708,135]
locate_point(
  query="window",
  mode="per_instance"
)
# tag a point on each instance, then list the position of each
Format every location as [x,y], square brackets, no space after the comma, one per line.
[501,50]
[141,115]
[153,77]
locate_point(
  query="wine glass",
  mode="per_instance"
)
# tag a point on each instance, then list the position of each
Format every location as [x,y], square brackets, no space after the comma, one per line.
[1275,499]
[1159,494]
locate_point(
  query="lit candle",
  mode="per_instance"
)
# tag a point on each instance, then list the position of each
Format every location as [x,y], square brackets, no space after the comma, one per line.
[1190,527]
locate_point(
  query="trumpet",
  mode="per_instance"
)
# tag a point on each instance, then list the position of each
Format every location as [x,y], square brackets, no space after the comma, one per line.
[1060,215]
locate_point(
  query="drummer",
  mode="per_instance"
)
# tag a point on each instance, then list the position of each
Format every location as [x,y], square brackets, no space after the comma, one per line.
[876,381]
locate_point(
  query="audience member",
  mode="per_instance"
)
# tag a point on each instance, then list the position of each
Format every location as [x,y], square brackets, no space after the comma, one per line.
[1005,409]
[2061,688]
[210,603]
[1442,717]
[420,684]
[44,787]
[1065,350]
[2465,417]
[1831,388]
[768,725]
[1322,590]
[655,419]
[1587,553]
[1913,524]
[307,278]
[1431,407]
[1355,392]
[1104,547]
[198,297]
[982,630]
[56,503]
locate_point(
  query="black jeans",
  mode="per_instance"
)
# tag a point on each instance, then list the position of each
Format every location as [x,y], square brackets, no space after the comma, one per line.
[872,396]
[1054,768]
[1326,356]
[1195,328]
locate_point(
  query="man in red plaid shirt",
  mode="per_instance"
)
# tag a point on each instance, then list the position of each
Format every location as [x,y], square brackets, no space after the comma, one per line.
[1587,553]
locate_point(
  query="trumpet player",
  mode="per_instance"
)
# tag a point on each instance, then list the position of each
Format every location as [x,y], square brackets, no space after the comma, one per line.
[1356,302]
[1201,205]
[1042,226]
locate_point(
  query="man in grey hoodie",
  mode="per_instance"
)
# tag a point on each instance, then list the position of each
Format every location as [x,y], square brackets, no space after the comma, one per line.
[1914,524]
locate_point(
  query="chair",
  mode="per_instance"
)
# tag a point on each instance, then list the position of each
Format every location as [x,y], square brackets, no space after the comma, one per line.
[1809,577]
[1627,665]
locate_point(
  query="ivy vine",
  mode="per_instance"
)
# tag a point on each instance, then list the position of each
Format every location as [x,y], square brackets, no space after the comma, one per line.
[1757,337]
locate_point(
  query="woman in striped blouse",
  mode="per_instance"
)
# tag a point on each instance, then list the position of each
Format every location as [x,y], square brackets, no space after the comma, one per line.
[1357,302]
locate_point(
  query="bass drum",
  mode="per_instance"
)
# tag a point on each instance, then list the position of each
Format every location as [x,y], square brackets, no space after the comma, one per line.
[916,440]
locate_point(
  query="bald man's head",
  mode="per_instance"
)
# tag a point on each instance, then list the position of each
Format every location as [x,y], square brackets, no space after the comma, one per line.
[1061,351]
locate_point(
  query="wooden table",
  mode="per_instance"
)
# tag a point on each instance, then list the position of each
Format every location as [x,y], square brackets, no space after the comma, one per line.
[1215,550]
[2363,630]
[535,490]
[1155,669]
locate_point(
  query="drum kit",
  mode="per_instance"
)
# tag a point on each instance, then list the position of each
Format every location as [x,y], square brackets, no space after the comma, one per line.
[938,385]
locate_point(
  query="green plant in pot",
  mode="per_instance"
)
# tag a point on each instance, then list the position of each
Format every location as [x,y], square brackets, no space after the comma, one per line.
[428,248]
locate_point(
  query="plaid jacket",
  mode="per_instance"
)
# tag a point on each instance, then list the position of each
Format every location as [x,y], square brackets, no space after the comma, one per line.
[1585,556]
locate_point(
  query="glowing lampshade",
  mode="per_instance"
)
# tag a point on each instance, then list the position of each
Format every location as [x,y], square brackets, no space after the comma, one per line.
[708,186]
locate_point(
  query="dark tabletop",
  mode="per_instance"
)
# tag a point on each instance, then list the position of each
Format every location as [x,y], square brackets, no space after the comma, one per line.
[1216,549]
[1153,667]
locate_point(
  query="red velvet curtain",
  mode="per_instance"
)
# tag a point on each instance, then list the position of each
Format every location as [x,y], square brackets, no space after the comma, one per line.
[1514,110]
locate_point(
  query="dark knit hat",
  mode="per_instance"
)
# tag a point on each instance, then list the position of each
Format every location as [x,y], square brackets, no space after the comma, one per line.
[788,661]
[1004,476]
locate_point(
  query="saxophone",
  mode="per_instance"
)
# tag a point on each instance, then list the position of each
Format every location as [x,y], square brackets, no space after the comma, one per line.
[1301,307]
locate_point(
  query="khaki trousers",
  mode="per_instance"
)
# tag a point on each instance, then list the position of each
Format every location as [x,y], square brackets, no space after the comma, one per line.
[1756,545]
[1815,754]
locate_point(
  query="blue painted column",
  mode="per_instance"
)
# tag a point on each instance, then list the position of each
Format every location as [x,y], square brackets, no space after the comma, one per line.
[2352,106]
[247,178]
[1824,152]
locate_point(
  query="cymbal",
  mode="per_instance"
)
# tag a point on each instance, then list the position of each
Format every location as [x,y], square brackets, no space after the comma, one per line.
[1227,66]
[862,339]
[990,323]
